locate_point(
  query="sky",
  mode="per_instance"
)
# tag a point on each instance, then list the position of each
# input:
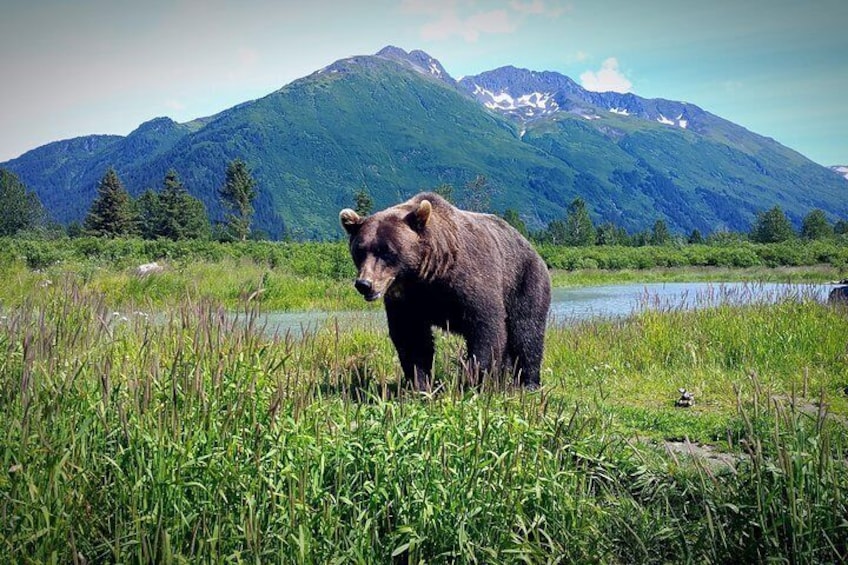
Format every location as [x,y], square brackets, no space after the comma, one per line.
[72,68]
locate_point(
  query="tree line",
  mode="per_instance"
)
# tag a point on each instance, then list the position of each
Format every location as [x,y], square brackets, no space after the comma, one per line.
[172,213]
[169,213]
[577,229]
[771,226]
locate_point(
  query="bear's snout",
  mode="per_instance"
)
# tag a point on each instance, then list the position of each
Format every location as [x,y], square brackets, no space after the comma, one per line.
[366,289]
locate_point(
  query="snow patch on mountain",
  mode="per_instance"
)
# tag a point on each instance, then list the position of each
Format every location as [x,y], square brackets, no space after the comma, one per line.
[620,111]
[679,121]
[504,101]
[841,170]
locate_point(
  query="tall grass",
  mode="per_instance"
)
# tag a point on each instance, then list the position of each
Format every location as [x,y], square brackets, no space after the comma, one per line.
[193,436]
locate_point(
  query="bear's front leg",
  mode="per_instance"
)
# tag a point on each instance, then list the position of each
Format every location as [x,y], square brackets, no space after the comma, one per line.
[416,348]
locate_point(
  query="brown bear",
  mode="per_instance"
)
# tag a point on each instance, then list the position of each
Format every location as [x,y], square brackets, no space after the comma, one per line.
[471,274]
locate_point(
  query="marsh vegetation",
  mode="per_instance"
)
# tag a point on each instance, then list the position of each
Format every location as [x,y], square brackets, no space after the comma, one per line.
[152,419]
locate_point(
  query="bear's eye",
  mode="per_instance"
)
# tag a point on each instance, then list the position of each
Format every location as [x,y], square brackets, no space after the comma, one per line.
[359,254]
[388,254]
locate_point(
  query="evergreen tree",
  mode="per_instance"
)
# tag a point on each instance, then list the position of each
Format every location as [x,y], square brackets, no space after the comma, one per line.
[660,234]
[840,227]
[363,204]
[771,227]
[816,226]
[512,218]
[478,195]
[182,215]
[445,190]
[556,233]
[610,234]
[238,194]
[112,213]
[695,237]
[20,209]
[640,239]
[579,229]
[149,214]
[196,219]
[75,229]
[724,238]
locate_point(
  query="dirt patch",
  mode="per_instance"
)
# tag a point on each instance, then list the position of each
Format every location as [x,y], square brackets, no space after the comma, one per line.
[714,460]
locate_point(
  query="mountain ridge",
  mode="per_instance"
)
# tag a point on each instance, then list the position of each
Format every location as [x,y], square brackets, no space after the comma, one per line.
[397,122]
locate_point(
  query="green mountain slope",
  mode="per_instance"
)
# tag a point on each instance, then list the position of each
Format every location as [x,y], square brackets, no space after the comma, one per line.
[387,124]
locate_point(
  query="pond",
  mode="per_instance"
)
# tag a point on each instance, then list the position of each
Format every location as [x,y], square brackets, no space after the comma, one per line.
[570,305]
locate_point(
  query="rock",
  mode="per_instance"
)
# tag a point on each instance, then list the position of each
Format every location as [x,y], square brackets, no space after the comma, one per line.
[838,295]
[716,461]
[149,269]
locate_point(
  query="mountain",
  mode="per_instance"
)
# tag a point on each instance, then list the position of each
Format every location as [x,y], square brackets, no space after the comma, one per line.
[396,122]
[841,170]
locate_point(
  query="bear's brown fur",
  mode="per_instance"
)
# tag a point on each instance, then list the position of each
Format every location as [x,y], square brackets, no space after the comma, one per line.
[469,273]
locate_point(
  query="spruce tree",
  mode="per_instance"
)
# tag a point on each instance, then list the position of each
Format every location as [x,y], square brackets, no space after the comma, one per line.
[610,234]
[660,234]
[771,227]
[181,215]
[363,204]
[445,190]
[149,214]
[237,195]
[579,229]
[512,218]
[20,209]
[112,213]
[695,238]
[816,226]
[556,233]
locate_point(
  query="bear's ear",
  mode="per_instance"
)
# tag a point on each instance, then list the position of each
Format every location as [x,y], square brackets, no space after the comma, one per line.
[350,220]
[421,215]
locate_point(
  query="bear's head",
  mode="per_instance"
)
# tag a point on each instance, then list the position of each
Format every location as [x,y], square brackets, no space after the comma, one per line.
[387,247]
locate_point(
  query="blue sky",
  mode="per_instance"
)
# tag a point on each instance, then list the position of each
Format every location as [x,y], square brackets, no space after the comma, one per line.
[71,68]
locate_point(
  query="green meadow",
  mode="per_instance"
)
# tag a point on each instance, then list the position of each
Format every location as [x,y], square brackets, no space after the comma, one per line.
[153,419]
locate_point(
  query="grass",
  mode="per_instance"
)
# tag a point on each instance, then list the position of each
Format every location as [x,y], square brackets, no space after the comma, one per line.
[193,436]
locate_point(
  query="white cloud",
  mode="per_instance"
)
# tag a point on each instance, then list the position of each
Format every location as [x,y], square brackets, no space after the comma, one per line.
[607,79]
[174,105]
[466,19]
[549,8]
[533,7]
[470,28]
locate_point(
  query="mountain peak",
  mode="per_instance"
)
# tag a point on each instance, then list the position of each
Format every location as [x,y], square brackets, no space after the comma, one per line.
[521,93]
[392,52]
[418,60]
[156,126]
